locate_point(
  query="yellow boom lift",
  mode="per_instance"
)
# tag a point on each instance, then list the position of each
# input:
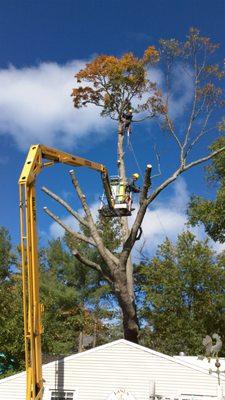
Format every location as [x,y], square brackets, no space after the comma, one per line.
[40,156]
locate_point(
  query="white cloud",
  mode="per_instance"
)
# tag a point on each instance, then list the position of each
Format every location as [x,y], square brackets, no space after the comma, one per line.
[36,106]
[56,231]
[182,88]
[182,91]
[156,75]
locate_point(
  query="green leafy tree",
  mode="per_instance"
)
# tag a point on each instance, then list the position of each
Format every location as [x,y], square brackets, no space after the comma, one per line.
[210,213]
[114,84]
[183,296]
[11,328]
[11,316]
[72,295]
[7,257]
[95,290]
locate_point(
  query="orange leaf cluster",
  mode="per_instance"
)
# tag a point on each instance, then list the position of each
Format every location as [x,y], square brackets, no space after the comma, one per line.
[211,94]
[114,81]
[214,71]
[196,42]
[151,55]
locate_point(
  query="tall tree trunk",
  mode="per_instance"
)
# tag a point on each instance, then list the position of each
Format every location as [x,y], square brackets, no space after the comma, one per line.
[126,298]
[124,220]
[127,304]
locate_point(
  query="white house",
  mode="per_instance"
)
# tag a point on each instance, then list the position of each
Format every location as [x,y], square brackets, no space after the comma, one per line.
[120,370]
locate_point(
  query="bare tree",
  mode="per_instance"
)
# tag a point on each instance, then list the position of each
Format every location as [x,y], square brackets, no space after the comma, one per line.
[115,85]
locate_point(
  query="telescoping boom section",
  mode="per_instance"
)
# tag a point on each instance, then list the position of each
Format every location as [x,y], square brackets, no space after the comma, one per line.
[39,156]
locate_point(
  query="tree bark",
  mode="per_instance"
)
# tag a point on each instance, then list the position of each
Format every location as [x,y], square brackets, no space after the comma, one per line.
[127,304]
[126,298]
[124,220]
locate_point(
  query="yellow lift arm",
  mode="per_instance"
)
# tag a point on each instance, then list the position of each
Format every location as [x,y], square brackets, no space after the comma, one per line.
[32,308]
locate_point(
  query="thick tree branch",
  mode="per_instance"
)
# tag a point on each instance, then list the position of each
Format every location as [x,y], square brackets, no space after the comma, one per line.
[146,184]
[161,187]
[129,243]
[180,170]
[84,260]
[127,265]
[203,159]
[107,256]
[76,235]
[65,205]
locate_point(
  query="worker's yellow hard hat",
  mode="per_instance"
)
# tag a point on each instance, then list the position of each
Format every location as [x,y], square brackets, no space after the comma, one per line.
[135,175]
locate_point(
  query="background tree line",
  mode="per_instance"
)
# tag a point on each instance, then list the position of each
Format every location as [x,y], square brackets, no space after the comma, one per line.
[179,291]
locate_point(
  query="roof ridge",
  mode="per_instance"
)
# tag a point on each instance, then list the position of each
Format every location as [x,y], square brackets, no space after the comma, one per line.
[128,343]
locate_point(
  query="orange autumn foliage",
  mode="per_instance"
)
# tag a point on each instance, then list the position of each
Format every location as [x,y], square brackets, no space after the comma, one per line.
[113,82]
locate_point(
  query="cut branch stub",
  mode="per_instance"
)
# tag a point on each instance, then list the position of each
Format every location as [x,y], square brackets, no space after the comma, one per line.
[146,184]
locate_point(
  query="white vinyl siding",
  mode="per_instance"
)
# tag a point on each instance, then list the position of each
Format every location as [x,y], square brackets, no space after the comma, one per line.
[98,372]
[13,388]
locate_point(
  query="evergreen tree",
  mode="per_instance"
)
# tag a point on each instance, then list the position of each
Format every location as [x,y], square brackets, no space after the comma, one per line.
[11,316]
[211,212]
[73,298]
[183,289]
[7,257]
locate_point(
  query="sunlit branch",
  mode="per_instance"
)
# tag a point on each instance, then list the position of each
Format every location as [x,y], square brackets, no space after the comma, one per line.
[65,205]
[84,260]
[76,235]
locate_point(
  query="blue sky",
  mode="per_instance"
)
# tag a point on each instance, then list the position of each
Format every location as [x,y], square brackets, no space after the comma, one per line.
[43,43]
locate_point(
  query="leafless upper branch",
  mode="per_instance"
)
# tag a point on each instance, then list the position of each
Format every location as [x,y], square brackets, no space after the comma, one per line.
[76,235]
[65,205]
[84,260]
